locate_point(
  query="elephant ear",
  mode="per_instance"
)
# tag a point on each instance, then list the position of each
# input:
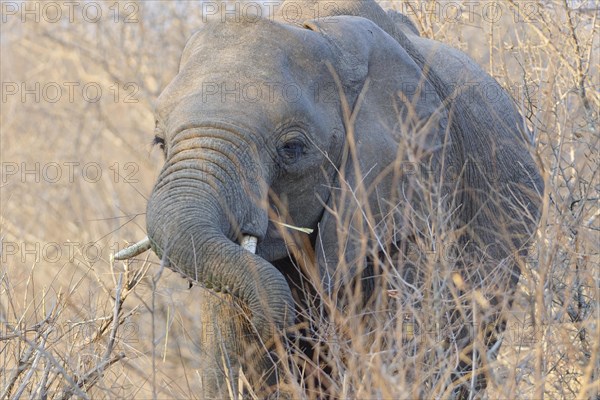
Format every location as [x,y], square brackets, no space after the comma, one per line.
[395,129]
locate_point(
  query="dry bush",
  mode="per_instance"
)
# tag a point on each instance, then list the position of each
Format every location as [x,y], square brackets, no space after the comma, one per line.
[74,324]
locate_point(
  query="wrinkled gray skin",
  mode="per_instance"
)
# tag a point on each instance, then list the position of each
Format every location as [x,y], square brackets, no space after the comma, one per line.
[229,159]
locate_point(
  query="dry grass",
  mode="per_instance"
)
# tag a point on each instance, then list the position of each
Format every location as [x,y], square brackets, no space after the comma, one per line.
[73,324]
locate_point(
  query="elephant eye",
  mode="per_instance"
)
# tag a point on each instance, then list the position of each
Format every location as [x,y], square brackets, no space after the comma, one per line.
[159,141]
[291,150]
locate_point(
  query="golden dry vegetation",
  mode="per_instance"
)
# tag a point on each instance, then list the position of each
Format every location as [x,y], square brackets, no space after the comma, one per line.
[78,87]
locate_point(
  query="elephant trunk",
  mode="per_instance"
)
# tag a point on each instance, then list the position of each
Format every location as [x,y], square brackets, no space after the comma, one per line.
[196,213]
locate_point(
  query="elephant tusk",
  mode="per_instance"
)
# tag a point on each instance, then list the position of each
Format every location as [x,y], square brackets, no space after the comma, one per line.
[133,250]
[249,243]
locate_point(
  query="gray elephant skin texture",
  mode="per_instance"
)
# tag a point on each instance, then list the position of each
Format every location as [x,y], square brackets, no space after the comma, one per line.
[351,126]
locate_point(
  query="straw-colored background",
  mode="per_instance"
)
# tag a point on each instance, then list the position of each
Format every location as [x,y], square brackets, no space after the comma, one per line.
[77,167]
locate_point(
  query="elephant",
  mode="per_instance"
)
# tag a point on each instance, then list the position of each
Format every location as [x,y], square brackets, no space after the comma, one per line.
[307,121]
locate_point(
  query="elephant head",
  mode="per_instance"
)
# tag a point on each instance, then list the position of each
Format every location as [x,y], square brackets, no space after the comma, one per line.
[258,124]
[270,125]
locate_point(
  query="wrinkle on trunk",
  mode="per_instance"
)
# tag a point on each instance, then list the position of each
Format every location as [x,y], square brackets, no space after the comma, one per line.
[187,232]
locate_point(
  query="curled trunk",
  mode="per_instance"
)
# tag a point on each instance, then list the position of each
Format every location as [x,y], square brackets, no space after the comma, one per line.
[190,224]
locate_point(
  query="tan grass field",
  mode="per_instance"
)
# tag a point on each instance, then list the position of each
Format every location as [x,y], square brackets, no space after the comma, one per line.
[78,87]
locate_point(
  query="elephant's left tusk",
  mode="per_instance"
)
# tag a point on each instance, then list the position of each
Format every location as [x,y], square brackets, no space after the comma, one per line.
[249,243]
[133,250]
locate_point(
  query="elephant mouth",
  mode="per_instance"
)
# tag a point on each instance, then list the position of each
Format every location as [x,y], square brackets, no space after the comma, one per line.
[273,232]
[264,246]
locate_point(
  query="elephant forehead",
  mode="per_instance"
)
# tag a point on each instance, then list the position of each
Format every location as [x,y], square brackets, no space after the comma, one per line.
[247,63]
[261,46]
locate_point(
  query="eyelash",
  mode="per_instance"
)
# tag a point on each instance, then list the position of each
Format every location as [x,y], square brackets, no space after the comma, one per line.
[159,141]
